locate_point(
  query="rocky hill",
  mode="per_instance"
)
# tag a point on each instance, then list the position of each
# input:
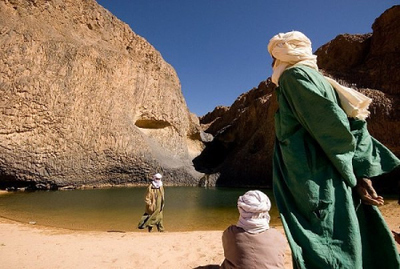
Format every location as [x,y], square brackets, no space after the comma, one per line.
[241,151]
[86,101]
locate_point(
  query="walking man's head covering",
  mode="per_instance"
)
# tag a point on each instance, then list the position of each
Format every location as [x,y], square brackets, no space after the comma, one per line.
[294,48]
[253,208]
[289,49]
[156,182]
[157,176]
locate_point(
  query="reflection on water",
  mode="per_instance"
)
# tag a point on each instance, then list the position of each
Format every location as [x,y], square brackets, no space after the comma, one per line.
[186,208]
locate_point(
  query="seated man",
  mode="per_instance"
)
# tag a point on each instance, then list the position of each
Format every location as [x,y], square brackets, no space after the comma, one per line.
[251,243]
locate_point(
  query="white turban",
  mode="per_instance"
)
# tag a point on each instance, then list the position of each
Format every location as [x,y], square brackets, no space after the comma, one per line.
[294,48]
[157,176]
[157,183]
[253,208]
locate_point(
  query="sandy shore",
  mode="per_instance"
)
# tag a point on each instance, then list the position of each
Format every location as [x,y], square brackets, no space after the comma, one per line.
[31,246]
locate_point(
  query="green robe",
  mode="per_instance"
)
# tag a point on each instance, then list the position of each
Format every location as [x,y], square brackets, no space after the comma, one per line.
[319,153]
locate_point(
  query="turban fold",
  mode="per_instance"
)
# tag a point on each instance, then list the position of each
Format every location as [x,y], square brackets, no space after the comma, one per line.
[253,208]
[294,48]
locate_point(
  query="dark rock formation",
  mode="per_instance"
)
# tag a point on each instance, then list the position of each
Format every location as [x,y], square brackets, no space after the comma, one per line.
[241,150]
[86,101]
[243,140]
[370,60]
[336,60]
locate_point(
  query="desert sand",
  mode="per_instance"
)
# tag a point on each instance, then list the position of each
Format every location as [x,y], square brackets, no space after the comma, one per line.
[32,246]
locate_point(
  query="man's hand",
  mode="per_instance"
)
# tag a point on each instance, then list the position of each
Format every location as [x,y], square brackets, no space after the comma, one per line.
[367,193]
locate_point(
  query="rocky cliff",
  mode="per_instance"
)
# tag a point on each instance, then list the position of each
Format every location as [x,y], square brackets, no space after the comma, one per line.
[241,151]
[369,60]
[86,101]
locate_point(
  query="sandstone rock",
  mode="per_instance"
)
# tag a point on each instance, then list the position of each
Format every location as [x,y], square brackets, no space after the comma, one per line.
[87,101]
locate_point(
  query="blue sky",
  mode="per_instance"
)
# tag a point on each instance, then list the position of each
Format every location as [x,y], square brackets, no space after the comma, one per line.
[218,47]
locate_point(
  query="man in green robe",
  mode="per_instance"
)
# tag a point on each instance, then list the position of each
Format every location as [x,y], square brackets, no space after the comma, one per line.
[323,158]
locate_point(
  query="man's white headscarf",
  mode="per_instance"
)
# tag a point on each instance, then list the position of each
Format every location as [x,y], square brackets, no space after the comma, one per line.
[294,48]
[253,208]
[157,183]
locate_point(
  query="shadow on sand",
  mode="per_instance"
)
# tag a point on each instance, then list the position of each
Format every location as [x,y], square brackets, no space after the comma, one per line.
[210,266]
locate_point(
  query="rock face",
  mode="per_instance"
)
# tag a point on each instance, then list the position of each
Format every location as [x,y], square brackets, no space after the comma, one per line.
[244,134]
[371,60]
[86,101]
[240,153]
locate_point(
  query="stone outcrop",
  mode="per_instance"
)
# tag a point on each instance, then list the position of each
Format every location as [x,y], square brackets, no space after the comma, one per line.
[86,101]
[241,152]
[370,60]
